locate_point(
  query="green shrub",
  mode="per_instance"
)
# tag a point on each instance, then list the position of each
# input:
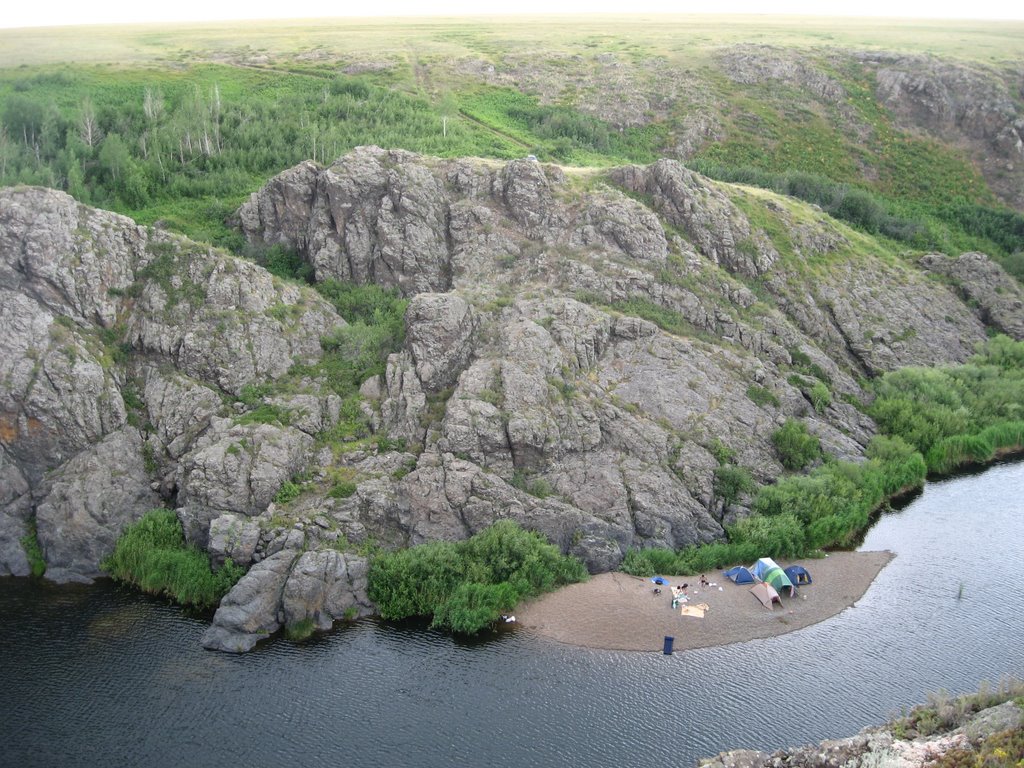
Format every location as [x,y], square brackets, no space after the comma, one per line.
[795,446]
[342,489]
[464,586]
[960,414]
[33,550]
[282,262]
[536,486]
[732,482]
[288,491]
[300,630]
[723,454]
[152,555]
[779,536]
[762,396]
[821,397]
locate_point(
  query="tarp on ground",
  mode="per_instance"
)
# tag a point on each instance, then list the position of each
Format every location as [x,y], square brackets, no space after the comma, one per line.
[695,610]
[768,570]
[766,593]
[798,575]
[740,575]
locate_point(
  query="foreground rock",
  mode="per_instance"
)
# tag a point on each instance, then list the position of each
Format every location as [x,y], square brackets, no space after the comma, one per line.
[288,589]
[885,746]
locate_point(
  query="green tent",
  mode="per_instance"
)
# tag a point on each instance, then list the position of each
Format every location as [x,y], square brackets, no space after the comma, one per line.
[769,571]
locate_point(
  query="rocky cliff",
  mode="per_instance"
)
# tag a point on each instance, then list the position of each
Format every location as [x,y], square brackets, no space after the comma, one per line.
[583,349]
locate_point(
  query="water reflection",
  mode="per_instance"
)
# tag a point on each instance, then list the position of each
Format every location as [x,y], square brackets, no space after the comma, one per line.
[95,676]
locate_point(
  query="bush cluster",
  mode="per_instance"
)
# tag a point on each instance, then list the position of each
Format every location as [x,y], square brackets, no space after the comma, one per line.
[464,586]
[152,555]
[953,226]
[957,415]
[797,448]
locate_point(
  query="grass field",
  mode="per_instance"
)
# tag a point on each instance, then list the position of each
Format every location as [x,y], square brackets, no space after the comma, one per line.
[679,37]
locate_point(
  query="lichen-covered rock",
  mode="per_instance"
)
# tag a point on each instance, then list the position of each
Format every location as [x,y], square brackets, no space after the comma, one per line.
[179,408]
[966,104]
[86,504]
[687,200]
[225,320]
[240,467]
[614,222]
[881,746]
[74,260]
[405,403]
[439,330]
[233,537]
[57,398]
[15,509]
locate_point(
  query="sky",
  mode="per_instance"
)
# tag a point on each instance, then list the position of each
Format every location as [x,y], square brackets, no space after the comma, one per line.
[31,13]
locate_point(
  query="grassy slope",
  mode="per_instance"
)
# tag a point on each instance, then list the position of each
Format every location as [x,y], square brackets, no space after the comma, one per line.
[288,94]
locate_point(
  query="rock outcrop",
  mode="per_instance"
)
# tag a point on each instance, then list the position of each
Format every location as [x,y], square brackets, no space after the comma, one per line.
[287,589]
[579,358]
[884,746]
[111,327]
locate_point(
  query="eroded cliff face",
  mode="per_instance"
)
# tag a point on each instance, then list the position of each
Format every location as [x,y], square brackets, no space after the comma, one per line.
[530,385]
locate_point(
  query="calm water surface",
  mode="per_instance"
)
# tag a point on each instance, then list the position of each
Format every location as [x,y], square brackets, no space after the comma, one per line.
[99,676]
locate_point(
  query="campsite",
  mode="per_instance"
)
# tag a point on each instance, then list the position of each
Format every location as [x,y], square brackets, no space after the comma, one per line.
[616,611]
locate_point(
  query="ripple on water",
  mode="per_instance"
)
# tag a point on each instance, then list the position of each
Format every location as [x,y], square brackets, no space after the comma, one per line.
[91,673]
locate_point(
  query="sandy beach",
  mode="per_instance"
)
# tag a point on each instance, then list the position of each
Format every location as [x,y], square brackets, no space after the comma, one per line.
[615,611]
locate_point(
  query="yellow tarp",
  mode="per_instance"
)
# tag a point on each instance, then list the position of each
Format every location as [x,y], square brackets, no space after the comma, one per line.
[695,610]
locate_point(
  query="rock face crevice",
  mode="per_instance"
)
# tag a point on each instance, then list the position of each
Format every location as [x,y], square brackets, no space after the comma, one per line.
[578,357]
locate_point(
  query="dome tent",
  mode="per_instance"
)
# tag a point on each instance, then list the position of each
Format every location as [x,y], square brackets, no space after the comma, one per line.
[798,575]
[740,575]
[768,570]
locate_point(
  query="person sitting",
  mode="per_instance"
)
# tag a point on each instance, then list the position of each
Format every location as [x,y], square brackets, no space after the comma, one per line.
[679,596]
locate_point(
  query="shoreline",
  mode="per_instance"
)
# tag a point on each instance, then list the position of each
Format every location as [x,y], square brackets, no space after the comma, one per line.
[618,612]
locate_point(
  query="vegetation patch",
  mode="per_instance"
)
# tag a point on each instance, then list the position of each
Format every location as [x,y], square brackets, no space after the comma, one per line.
[958,415]
[300,630]
[464,586]
[800,515]
[152,555]
[943,712]
[33,550]
[732,482]
[761,396]
[796,447]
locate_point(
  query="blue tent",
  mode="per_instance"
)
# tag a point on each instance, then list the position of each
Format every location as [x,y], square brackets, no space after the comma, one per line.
[740,575]
[798,575]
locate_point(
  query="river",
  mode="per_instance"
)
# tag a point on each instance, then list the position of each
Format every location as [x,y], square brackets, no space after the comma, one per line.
[101,676]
